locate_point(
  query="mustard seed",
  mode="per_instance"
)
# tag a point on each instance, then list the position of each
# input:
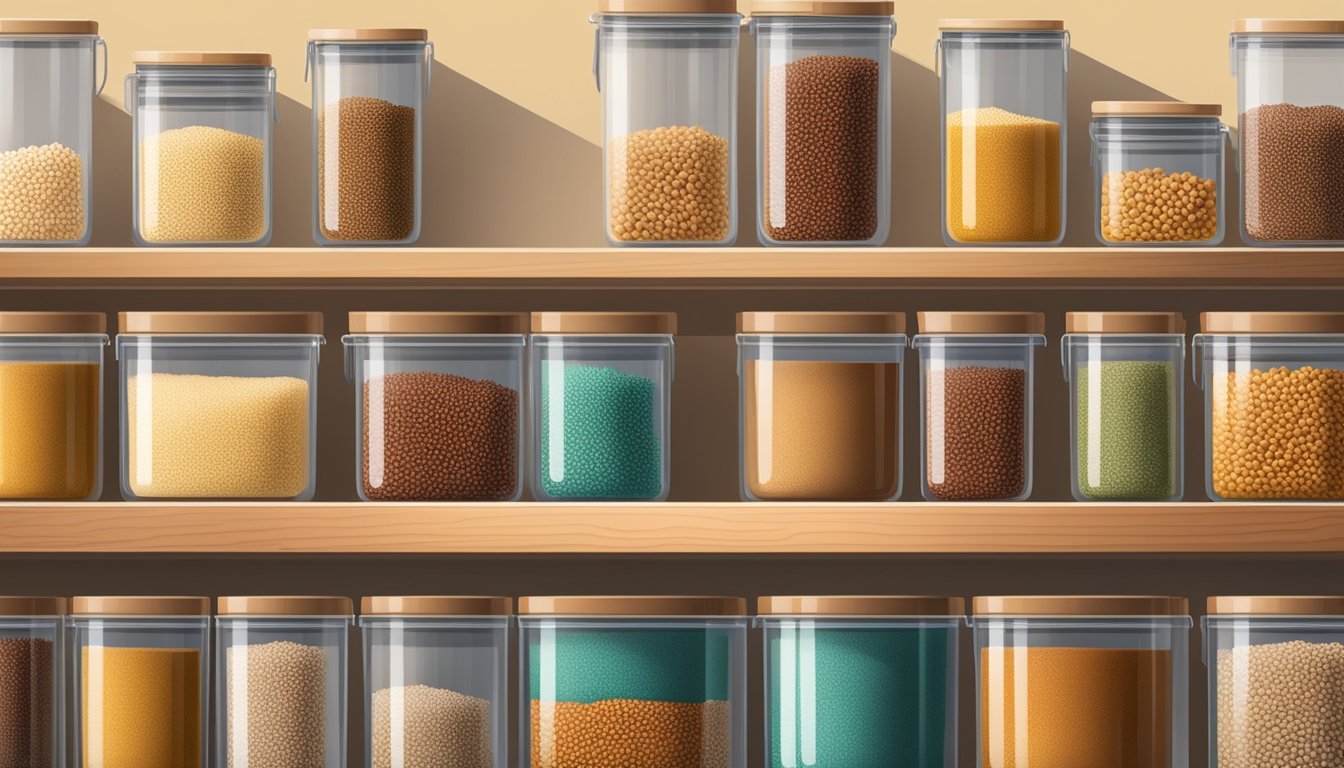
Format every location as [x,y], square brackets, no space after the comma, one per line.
[366,170]
[41,194]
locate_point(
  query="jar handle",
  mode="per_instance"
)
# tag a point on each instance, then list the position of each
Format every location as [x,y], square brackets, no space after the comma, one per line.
[129,95]
[275,100]
[1066,358]
[308,60]
[1196,371]
[1067,48]
[429,67]
[937,58]
[100,44]
[597,57]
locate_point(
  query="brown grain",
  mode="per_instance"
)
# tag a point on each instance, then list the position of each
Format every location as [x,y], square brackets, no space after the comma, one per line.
[669,184]
[373,199]
[976,443]
[418,726]
[630,733]
[25,703]
[284,709]
[1293,172]
[1281,705]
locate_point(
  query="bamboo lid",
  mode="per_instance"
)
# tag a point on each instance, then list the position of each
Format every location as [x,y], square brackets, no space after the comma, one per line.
[140,606]
[1271,322]
[34,606]
[982,322]
[285,605]
[860,605]
[1124,322]
[202,58]
[821,322]
[48,27]
[1154,109]
[369,35]
[297,323]
[435,605]
[1277,605]
[1081,605]
[598,323]
[1290,26]
[632,605]
[667,6]
[1001,25]
[823,8]
[439,323]
[24,323]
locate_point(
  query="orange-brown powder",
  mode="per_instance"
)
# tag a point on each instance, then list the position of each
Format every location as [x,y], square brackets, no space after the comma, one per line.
[141,707]
[49,417]
[623,733]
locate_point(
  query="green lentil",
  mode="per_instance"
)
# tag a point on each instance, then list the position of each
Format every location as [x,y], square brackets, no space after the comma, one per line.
[1135,431]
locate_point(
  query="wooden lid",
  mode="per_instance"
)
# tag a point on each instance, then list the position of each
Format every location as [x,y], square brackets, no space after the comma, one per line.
[632,605]
[301,323]
[982,322]
[1277,605]
[1001,25]
[285,605]
[1124,322]
[667,6]
[860,605]
[202,58]
[23,323]
[140,606]
[369,35]
[1081,605]
[1290,26]
[823,8]
[600,323]
[821,322]
[48,27]
[1271,322]
[34,606]
[439,323]
[1155,109]
[435,605]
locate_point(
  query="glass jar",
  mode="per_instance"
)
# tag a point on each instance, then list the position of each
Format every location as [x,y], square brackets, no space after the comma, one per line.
[667,71]
[975,403]
[1082,681]
[219,405]
[820,405]
[1158,172]
[46,129]
[1291,129]
[657,682]
[823,121]
[202,147]
[439,411]
[1004,130]
[861,681]
[32,697]
[1126,404]
[51,405]
[281,663]
[435,681]
[602,405]
[369,92]
[140,681]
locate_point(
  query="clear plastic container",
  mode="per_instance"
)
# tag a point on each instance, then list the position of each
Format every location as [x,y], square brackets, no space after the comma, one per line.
[1291,130]
[219,405]
[1004,130]
[1157,171]
[369,90]
[977,372]
[52,75]
[1082,681]
[861,681]
[51,405]
[140,681]
[1126,405]
[202,147]
[823,121]
[820,405]
[436,681]
[282,664]
[667,71]
[32,681]
[438,406]
[601,405]
[655,682]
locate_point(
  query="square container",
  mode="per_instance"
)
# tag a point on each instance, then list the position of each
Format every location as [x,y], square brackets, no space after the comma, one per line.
[820,404]
[435,681]
[32,681]
[861,681]
[655,682]
[439,404]
[219,405]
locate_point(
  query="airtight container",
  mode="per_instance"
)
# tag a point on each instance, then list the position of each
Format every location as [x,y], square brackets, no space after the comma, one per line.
[369,92]
[435,680]
[977,372]
[1157,170]
[823,121]
[1126,404]
[219,405]
[601,405]
[201,147]
[667,72]
[820,403]
[52,74]
[51,406]
[281,664]
[438,404]
[32,665]
[1099,680]
[657,682]
[140,681]
[861,681]
[1004,130]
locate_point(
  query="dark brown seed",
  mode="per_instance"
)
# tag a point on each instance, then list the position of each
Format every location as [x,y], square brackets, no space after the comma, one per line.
[374,168]
[976,433]
[1294,172]
[25,703]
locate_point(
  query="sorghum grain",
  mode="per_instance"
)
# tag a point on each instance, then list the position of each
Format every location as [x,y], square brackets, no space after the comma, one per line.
[50,414]
[976,443]
[1152,205]
[669,183]
[435,728]
[1281,705]
[624,733]
[25,703]
[1003,179]
[41,194]
[1126,430]
[1293,175]
[367,146]
[285,706]
[150,707]
[202,185]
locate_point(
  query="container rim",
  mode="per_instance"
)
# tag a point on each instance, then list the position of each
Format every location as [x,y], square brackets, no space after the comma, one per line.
[632,606]
[41,323]
[1286,606]
[14,607]
[281,606]
[1221,323]
[1129,323]
[803,323]
[981,323]
[698,7]
[878,8]
[1000,25]
[369,35]
[860,606]
[1080,606]
[73,27]
[1264,26]
[202,58]
[1154,109]
[604,323]
[438,323]
[221,323]
[140,606]
[435,606]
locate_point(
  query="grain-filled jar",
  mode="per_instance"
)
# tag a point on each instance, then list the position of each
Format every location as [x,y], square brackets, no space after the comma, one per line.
[32,681]
[1157,171]
[281,663]
[1082,681]
[601,405]
[1004,130]
[657,682]
[438,406]
[140,681]
[218,405]
[1126,404]
[51,405]
[861,681]
[667,72]
[201,147]
[823,121]
[369,92]
[977,372]
[435,681]
[820,402]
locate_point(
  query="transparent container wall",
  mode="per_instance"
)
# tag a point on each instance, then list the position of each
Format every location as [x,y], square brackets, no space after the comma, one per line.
[436,691]
[218,417]
[32,697]
[1126,416]
[368,137]
[656,693]
[437,418]
[601,417]
[202,154]
[820,417]
[823,129]
[669,128]
[1004,137]
[1083,692]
